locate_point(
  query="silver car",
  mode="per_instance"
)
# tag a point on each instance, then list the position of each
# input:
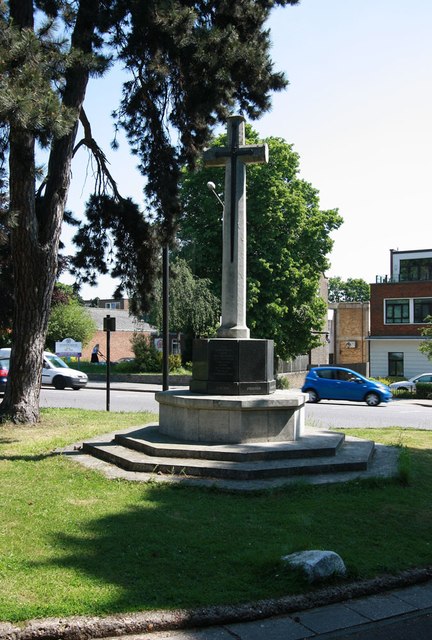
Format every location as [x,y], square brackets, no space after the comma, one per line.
[410,385]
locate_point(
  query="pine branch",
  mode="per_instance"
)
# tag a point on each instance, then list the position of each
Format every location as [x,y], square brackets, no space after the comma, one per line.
[103,175]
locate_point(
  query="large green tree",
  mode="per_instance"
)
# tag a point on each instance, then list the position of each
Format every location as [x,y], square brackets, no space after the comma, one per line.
[350,290]
[189,63]
[288,241]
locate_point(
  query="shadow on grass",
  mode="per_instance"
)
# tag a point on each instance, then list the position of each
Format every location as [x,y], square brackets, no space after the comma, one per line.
[28,458]
[174,547]
[178,549]
[8,440]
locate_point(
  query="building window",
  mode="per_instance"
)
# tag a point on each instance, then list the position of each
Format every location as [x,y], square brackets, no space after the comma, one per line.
[397,311]
[415,269]
[175,347]
[422,309]
[112,305]
[395,363]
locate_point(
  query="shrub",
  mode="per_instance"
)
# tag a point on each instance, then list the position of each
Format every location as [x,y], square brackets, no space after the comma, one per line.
[147,357]
[127,367]
[282,382]
[424,390]
[174,361]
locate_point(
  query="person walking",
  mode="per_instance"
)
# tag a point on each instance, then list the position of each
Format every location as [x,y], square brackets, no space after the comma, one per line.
[95,354]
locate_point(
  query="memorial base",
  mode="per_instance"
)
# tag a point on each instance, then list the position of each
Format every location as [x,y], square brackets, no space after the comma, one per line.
[230,366]
[224,419]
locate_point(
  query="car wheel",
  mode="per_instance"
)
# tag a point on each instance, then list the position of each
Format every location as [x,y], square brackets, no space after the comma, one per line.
[372,399]
[76,388]
[59,383]
[313,396]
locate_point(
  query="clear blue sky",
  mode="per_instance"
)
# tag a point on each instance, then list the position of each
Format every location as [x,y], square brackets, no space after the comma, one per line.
[358,111]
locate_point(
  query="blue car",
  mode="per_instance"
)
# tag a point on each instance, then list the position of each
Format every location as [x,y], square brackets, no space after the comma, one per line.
[338,383]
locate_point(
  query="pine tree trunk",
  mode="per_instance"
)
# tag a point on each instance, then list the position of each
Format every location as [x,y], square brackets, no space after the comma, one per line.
[36,230]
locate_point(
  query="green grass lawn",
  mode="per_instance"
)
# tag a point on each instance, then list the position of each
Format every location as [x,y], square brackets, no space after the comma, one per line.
[73,542]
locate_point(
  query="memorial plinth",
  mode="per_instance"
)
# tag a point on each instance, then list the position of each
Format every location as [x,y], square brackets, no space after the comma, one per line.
[231,419]
[233,367]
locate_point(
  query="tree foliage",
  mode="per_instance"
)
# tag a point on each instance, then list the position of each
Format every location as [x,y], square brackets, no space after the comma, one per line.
[194,310]
[69,320]
[426,345]
[351,290]
[189,63]
[287,245]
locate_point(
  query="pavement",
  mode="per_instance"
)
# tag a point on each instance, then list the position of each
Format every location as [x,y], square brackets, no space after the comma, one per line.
[131,386]
[399,613]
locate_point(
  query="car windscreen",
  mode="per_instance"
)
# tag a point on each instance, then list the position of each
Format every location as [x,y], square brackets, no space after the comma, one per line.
[4,363]
[56,362]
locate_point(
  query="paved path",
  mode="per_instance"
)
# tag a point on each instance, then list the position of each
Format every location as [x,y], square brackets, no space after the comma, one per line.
[403,614]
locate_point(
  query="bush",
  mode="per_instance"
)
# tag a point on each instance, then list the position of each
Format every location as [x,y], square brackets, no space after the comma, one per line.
[127,367]
[147,357]
[424,390]
[282,382]
[386,381]
[174,361]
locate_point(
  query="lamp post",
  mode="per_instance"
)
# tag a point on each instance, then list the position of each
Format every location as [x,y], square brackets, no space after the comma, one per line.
[165,317]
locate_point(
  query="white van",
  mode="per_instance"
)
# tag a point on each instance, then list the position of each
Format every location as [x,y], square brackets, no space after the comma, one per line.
[55,372]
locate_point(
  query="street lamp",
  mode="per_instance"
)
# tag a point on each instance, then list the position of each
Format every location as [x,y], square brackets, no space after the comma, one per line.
[212,187]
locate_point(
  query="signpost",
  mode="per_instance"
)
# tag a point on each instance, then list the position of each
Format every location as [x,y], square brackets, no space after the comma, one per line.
[68,348]
[109,324]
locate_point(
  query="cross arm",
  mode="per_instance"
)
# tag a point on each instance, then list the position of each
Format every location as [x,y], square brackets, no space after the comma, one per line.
[216,156]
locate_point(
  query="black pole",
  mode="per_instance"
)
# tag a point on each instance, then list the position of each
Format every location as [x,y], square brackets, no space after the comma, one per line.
[108,355]
[165,317]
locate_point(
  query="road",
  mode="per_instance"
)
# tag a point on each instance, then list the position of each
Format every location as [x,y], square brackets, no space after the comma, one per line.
[90,398]
[399,413]
[324,415]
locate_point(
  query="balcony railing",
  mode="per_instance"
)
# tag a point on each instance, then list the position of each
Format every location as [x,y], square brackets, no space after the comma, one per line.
[396,279]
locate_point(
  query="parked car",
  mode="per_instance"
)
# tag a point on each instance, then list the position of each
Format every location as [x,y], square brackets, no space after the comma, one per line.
[410,385]
[338,383]
[4,371]
[56,373]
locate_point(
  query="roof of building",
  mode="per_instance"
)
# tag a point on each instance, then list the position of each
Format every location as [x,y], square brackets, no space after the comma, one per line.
[124,321]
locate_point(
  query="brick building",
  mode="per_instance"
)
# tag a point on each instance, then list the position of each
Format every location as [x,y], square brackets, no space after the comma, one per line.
[349,333]
[120,339]
[400,303]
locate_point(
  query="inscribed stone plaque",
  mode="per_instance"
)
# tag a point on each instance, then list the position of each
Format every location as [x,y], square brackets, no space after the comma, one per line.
[223,360]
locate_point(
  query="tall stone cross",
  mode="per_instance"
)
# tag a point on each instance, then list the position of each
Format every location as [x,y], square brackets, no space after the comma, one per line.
[234,157]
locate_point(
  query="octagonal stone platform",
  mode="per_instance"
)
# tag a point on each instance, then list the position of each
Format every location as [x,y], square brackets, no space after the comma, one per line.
[231,419]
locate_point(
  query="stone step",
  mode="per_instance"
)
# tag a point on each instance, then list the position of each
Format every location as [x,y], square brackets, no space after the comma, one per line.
[149,440]
[355,455]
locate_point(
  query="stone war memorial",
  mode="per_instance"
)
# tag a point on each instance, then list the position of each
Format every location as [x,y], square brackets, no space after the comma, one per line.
[232,426]
[232,395]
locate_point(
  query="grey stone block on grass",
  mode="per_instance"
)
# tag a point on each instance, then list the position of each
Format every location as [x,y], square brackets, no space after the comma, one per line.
[317,565]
